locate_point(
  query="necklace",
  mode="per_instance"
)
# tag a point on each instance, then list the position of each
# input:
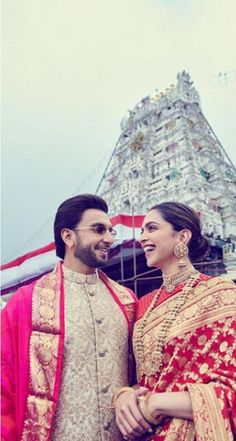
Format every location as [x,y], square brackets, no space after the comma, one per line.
[154,365]
[172,280]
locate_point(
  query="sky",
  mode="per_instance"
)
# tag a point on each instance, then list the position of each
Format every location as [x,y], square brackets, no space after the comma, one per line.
[72,69]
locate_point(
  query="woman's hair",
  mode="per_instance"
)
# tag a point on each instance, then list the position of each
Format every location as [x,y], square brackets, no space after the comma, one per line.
[69,214]
[181,217]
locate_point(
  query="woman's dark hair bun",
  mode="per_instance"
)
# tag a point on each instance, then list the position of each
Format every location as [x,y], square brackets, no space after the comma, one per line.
[181,217]
[198,247]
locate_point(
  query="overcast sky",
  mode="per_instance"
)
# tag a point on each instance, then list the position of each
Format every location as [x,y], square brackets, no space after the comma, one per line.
[72,68]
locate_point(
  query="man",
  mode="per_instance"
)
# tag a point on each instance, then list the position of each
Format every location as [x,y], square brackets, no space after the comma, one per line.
[66,337]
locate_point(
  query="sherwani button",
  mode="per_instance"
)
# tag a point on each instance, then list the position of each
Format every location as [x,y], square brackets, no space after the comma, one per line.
[106,425]
[102,353]
[99,321]
[105,389]
[91,293]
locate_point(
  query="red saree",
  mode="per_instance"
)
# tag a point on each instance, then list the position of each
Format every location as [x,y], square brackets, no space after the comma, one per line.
[199,357]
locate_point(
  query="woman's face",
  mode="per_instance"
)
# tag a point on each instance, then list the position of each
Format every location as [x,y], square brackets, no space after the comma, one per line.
[158,239]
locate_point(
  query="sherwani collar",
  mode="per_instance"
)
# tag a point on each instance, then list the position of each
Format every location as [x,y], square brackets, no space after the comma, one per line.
[73,276]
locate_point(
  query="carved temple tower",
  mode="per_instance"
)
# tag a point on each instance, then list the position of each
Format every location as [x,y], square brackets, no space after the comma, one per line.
[167,150]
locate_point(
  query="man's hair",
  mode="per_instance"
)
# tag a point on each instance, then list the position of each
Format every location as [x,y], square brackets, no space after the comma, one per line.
[69,214]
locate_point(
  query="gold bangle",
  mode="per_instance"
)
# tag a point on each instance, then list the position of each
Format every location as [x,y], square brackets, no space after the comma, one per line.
[144,410]
[120,391]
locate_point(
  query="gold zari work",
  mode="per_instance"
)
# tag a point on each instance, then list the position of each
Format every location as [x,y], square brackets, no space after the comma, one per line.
[151,364]
[43,358]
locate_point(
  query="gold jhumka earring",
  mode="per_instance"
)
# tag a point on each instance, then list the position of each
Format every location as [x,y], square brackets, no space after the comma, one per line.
[181,251]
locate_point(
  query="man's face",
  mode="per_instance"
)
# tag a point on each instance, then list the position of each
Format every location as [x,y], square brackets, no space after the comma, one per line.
[93,238]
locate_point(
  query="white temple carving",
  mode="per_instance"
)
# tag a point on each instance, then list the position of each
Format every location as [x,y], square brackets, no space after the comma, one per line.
[167,150]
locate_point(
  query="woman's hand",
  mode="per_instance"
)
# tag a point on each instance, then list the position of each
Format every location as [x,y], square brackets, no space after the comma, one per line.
[128,417]
[173,404]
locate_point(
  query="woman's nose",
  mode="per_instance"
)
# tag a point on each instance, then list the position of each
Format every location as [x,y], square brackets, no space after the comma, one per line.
[142,237]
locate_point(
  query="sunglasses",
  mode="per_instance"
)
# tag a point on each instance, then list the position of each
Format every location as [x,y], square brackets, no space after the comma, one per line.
[99,229]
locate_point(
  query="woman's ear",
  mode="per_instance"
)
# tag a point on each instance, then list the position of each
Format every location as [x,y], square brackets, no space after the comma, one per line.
[185,236]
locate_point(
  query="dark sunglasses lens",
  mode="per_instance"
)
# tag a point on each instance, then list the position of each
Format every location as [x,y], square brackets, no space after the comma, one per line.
[100,229]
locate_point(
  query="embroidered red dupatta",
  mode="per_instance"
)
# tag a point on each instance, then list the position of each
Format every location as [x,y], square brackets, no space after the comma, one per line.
[199,357]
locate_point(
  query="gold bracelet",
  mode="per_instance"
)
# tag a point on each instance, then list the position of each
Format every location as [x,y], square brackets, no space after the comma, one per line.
[120,391]
[144,410]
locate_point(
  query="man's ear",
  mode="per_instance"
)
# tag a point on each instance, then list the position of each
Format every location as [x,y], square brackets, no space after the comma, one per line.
[67,236]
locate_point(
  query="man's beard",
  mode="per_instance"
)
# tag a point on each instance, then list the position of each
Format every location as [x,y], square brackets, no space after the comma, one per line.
[87,256]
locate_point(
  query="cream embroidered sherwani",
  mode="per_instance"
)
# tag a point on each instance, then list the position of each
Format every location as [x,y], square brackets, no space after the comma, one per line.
[95,361]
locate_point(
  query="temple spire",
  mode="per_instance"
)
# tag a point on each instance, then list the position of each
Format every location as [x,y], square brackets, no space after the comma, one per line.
[167,150]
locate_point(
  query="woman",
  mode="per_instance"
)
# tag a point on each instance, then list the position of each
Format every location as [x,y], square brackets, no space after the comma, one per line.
[184,340]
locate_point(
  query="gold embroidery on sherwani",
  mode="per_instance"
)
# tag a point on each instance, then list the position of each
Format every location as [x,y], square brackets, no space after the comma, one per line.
[95,361]
[122,294]
[208,419]
[43,357]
